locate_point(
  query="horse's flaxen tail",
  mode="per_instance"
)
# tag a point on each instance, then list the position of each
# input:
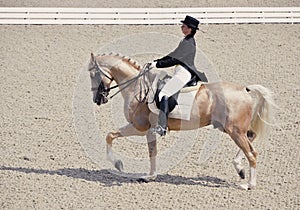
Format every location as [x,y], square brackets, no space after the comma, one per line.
[262,111]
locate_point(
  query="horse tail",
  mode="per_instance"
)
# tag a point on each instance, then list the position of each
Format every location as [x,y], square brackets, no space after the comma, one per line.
[262,111]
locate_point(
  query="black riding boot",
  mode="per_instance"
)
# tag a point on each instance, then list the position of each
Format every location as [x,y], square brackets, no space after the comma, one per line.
[161,129]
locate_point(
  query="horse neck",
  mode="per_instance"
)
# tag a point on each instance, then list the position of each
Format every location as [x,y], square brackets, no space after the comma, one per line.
[123,69]
[135,87]
[122,73]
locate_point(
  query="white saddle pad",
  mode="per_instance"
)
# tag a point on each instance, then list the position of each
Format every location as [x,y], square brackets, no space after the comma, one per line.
[185,100]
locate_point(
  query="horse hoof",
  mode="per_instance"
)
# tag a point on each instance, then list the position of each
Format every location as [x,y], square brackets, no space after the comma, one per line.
[119,165]
[242,174]
[246,187]
[147,178]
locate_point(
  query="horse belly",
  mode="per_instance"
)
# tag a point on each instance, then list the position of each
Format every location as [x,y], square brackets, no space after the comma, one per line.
[200,115]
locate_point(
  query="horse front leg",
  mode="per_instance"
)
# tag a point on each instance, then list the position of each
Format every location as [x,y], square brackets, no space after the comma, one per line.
[152,149]
[109,152]
[128,130]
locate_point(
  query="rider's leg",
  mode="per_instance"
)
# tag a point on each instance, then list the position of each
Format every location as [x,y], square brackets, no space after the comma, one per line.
[178,81]
[163,116]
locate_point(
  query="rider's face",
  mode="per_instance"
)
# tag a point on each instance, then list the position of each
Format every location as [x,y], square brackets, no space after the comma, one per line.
[185,29]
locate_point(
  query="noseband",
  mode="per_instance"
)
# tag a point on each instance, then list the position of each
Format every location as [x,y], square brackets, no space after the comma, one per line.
[102,91]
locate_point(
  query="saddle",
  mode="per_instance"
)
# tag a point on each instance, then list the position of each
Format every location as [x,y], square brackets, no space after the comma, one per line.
[180,104]
[172,102]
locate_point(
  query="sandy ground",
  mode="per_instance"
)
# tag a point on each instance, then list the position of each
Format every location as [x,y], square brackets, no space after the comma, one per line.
[44,166]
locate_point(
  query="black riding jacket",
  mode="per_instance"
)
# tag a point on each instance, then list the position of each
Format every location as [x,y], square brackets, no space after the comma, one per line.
[183,55]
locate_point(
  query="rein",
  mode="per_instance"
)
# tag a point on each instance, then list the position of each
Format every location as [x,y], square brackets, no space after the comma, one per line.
[144,70]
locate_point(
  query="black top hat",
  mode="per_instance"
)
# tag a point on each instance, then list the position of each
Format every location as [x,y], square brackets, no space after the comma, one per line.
[191,22]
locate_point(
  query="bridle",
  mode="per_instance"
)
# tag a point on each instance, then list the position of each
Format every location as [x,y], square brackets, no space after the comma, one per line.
[99,70]
[103,92]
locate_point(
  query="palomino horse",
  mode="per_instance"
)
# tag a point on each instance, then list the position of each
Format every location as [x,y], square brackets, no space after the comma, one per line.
[229,107]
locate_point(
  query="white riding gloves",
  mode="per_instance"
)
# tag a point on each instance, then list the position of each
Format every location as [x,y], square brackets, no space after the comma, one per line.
[152,64]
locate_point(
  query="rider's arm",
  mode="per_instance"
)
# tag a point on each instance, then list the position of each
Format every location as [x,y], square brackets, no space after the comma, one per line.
[166,61]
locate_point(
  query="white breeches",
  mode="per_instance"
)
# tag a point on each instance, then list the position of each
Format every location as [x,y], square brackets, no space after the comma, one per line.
[178,81]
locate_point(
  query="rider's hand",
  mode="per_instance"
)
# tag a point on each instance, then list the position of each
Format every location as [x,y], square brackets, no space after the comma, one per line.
[152,64]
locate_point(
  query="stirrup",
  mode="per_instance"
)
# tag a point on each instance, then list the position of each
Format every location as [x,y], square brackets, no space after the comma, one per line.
[159,130]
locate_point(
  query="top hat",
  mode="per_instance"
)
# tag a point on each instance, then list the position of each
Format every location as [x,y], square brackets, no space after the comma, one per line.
[191,22]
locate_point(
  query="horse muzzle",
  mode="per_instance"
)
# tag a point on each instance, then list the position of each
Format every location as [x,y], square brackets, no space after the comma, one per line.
[101,98]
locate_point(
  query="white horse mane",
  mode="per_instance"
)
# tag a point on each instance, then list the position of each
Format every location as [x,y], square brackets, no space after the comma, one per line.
[124,58]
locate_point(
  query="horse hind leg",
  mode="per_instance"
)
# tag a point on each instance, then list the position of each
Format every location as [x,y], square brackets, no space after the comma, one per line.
[246,147]
[237,162]
[251,155]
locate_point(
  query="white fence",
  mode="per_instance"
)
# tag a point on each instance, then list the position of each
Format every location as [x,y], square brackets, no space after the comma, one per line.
[42,15]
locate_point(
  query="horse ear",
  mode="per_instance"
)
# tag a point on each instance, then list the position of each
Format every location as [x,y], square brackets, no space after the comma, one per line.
[92,57]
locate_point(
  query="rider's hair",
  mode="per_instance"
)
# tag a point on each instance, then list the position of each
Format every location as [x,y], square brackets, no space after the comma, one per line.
[193,32]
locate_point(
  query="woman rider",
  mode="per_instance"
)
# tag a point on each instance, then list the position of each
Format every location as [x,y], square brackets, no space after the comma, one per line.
[183,58]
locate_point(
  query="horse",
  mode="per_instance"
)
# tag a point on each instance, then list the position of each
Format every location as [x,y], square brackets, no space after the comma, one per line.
[231,108]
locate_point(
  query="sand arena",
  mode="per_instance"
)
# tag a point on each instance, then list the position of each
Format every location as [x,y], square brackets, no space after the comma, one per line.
[43,164]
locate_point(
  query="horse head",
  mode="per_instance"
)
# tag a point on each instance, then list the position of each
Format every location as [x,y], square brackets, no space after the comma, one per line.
[106,68]
[101,79]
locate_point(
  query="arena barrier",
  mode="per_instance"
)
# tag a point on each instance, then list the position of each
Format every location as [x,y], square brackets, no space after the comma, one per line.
[147,16]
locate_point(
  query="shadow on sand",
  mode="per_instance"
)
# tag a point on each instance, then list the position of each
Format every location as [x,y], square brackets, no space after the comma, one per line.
[110,178]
